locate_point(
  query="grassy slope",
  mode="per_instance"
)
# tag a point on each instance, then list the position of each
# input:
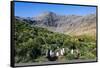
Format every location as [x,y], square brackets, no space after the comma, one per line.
[33,42]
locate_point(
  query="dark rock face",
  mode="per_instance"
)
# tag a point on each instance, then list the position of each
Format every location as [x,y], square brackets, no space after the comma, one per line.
[64,23]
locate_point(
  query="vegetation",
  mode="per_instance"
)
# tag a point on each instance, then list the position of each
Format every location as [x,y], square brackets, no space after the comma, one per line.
[32,43]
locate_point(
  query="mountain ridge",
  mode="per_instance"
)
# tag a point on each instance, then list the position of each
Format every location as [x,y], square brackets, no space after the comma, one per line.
[67,24]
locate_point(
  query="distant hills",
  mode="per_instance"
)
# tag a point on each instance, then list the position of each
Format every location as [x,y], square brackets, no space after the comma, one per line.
[67,24]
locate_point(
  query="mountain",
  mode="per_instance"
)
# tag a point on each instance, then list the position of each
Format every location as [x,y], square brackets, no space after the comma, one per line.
[33,43]
[67,24]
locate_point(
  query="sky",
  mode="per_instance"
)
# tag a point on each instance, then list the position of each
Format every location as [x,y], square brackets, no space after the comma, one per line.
[25,9]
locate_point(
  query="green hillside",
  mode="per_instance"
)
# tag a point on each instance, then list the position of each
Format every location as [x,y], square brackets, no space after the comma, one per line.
[32,43]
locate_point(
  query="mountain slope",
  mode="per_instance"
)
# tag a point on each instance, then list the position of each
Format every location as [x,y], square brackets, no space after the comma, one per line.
[67,24]
[32,44]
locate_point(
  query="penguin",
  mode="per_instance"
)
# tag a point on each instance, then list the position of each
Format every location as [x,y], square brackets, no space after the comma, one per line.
[72,51]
